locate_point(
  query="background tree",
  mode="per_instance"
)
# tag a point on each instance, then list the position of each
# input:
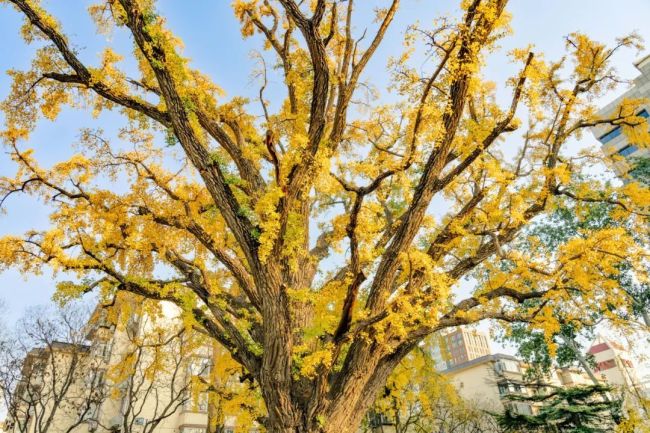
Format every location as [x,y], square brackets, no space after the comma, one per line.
[563,346]
[230,394]
[542,350]
[578,409]
[156,366]
[305,241]
[419,399]
[46,372]
[153,376]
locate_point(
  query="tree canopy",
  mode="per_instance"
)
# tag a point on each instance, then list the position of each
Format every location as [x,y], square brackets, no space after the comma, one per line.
[319,243]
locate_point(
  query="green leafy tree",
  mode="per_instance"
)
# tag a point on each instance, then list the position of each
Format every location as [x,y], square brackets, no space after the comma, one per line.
[578,409]
[419,399]
[641,170]
[542,349]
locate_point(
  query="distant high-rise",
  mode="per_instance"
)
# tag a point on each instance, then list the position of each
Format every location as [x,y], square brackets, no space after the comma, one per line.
[615,144]
[458,346]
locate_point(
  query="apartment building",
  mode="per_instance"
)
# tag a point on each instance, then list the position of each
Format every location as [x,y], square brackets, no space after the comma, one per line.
[459,346]
[613,363]
[137,374]
[488,380]
[176,407]
[55,391]
[614,143]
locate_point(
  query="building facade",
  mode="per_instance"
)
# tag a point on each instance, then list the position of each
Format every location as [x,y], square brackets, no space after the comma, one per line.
[55,391]
[459,346]
[613,363]
[615,144]
[172,377]
[145,372]
[488,381]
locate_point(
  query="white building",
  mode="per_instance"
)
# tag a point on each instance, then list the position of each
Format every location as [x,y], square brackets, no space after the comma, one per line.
[613,363]
[487,382]
[144,368]
[614,143]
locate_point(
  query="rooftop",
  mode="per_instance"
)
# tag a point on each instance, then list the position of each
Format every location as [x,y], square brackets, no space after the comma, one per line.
[642,62]
[477,361]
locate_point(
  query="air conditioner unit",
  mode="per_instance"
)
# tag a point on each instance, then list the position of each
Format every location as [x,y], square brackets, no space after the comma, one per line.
[140,421]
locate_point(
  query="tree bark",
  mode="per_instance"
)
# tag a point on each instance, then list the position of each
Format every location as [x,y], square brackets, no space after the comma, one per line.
[581,359]
[646,318]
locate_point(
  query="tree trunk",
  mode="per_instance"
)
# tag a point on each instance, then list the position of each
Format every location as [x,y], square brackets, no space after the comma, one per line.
[215,412]
[340,405]
[646,317]
[215,415]
[581,359]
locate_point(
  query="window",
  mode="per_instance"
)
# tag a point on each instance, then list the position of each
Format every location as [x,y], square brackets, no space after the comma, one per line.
[93,413]
[523,409]
[96,378]
[199,366]
[133,325]
[196,403]
[609,136]
[203,367]
[103,350]
[509,365]
[192,430]
[606,365]
[506,365]
[627,150]
[508,388]
[376,420]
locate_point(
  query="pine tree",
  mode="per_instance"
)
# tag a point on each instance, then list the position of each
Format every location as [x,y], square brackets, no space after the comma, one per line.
[580,409]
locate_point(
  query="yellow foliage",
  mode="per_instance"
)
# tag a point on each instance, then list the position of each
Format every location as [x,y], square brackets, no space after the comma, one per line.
[332,228]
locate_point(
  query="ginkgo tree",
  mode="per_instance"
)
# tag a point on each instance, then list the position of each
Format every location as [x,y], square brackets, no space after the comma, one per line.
[321,242]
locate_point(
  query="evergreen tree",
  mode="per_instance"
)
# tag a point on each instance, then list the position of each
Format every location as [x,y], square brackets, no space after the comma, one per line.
[580,409]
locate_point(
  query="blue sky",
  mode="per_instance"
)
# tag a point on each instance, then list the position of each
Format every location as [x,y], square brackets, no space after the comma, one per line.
[214,44]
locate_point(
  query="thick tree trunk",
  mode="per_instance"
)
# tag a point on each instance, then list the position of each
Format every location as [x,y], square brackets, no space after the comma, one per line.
[341,405]
[329,417]
[338,421]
